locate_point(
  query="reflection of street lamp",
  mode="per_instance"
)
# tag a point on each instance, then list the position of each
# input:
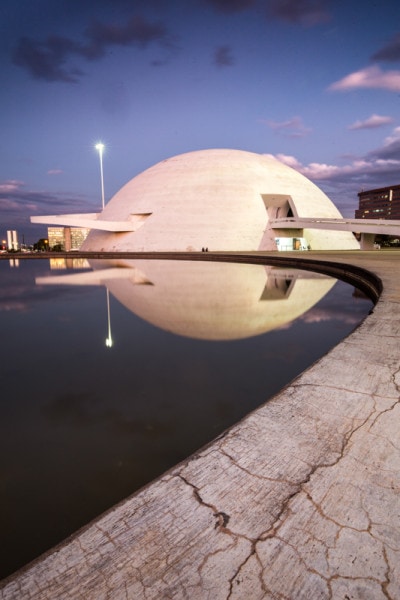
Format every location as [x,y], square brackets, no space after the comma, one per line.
[100,148]
[109,341]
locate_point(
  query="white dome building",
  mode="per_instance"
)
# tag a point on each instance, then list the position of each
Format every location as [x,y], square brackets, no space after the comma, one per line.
[217,199]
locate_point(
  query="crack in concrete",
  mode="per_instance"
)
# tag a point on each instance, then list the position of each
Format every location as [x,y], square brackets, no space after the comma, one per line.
[390,408]
[272,532]
[323,514]
[239,568]
[356,579]
[386,583]
[222,518]
[256,475]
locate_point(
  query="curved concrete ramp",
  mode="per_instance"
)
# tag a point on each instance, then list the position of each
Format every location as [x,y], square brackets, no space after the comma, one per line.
[300,500]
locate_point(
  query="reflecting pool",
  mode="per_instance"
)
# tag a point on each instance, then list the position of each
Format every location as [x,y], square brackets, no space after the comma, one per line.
[114,371]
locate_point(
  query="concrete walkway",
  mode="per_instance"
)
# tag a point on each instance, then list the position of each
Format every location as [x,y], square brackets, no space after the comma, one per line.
[301,499]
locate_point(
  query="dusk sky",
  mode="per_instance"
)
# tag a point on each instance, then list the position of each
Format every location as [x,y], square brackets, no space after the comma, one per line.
[313,82]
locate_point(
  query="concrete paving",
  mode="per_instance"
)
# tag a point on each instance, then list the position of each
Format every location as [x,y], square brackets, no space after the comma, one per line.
[301,499]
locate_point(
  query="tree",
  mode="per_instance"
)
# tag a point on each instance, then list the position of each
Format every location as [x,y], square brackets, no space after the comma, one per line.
[42,245]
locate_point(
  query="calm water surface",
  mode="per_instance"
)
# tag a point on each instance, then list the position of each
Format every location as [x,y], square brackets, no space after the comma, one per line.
[85,424]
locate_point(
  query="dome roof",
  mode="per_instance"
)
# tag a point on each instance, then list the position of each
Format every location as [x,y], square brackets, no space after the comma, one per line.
[212,300]
[219,199]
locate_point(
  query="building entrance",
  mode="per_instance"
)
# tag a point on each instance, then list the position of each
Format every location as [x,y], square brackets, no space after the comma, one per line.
[288,244]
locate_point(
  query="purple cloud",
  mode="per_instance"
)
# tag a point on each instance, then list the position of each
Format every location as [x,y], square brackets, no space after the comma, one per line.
[342,183]
[293,128]
[17,204]
[223,56]
[48,60]
[369,78]
[390,52]
[390,150]
[373,122]
[136,32]
[231,6]
[304,12]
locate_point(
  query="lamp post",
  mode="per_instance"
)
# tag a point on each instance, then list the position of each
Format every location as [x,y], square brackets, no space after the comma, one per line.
[100,148]
[109,340]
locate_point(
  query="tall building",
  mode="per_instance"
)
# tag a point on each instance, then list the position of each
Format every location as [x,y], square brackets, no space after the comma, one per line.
[382,203]
[78,236]
[67,238]
[12,239]
[55,235]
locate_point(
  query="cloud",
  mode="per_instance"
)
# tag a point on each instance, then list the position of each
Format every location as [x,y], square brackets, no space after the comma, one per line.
[17,203]
[372,122]
[293,128]
[370,168]
[303,12]
[390,150]
[378,168]
[223,56]
[319,315]
[10,186]
[55,172]
[22,297]
[369,78]
[231,6]
[390,52]
[136,32]
[47,60]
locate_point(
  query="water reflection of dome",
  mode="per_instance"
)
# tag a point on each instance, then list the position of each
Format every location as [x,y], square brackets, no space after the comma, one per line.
[211,300]
[218,198]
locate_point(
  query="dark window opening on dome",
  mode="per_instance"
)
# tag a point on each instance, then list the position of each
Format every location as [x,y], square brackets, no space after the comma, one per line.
[277,288]
[279,206]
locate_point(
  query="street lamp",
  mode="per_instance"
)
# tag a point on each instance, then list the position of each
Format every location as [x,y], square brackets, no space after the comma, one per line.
[100,148]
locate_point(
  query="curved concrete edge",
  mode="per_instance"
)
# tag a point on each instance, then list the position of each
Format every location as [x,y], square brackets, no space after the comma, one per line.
[298,500]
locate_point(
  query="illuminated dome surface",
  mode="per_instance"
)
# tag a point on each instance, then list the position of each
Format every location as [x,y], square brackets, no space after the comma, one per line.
[216,199]
[205,300]
[211,300]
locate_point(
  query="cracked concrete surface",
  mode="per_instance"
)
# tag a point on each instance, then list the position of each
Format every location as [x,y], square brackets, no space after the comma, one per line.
[299,500]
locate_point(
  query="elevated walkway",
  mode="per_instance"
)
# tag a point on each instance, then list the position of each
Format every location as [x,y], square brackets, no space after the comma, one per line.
[368,228]
[376,226]
[301,499]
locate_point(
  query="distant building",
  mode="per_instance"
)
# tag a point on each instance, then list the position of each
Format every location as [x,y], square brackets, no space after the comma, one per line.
[67,238]
[382,203]
[12,239]
[78,236]
[56,237]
